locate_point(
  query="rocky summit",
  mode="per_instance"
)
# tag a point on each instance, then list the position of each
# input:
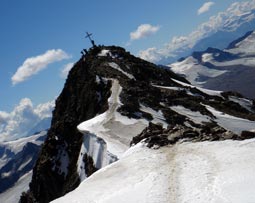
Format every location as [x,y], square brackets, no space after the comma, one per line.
[111,101]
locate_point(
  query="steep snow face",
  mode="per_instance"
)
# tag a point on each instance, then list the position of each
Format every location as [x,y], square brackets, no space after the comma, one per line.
[96,148]
[191,68]
[186,172]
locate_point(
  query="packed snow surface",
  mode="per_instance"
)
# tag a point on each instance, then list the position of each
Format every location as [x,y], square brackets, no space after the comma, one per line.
[211,172]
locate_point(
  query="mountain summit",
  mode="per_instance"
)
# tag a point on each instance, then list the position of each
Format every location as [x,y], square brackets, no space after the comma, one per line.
[111,101]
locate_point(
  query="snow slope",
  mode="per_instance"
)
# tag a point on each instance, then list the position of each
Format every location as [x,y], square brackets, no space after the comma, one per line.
[13,194]
[246,46]
[192,69]
[14,147]
[199,172]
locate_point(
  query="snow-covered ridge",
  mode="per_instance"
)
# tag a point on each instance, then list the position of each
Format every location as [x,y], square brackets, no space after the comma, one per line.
[245,47]
[192,69]
[200,172]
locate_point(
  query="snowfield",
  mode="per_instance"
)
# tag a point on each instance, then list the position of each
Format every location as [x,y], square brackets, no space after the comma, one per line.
[191,68]
[212,172]
[13,194]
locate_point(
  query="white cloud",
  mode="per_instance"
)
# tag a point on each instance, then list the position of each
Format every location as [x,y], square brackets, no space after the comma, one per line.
[143,30]
[23,118]
[66,69]
[33,65]
[150,54]
[228,20]
[205,7]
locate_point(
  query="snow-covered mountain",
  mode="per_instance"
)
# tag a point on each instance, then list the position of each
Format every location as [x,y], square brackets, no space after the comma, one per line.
[182,137]
[17,159]
[220,30]
[231,69]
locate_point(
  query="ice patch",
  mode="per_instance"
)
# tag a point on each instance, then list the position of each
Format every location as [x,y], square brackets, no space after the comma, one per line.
[116,66]
[104,52]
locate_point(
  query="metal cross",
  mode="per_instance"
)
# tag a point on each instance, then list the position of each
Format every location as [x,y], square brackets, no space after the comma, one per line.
[89,36]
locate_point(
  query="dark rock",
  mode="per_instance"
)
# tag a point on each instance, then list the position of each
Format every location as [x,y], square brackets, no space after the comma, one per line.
[247,135]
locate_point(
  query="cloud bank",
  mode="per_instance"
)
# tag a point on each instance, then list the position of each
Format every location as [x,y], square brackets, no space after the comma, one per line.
[23,118]
[33,65]
[65,70]
[143,30]
[229,20]
[205,7]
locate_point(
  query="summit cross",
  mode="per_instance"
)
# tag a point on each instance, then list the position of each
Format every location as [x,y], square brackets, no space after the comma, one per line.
[89,36]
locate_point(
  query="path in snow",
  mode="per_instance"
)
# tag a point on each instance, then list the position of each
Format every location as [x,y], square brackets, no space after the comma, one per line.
[211,172]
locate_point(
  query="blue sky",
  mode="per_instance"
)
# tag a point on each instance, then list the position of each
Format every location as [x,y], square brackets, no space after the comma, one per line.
[52,30]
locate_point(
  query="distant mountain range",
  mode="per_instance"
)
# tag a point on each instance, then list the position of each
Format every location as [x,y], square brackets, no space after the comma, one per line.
[230,69]
[17,159]
[218,32]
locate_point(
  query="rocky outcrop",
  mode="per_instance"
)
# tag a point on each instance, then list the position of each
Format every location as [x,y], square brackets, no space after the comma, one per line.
[156,136]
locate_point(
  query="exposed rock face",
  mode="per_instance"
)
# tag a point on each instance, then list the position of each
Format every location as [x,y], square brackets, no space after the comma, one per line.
[86,94]
[156,136]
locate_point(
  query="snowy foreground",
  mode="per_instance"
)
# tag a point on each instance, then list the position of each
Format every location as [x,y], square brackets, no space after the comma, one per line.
[214,172]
